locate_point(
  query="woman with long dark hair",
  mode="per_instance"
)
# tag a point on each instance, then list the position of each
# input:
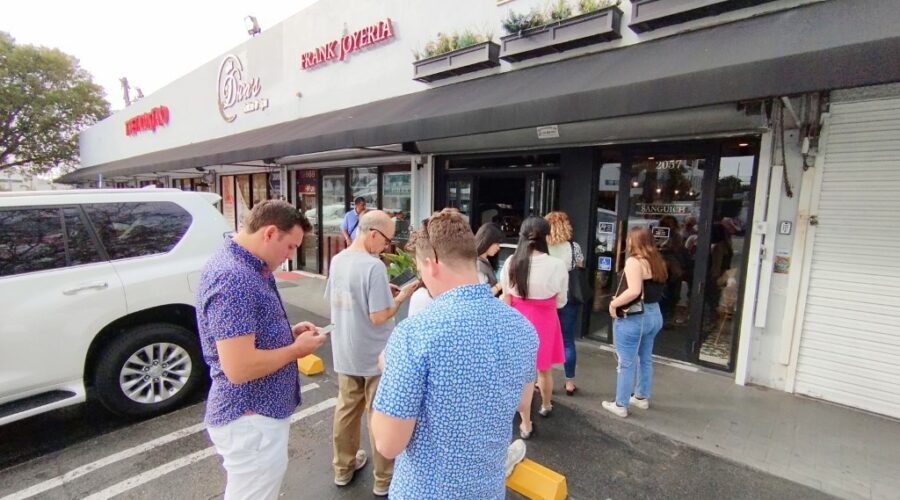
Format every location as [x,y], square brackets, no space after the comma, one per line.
[633,334]
[536,285]
[487,244]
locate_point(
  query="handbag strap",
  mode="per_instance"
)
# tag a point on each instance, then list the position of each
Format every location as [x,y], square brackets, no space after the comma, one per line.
[619,286]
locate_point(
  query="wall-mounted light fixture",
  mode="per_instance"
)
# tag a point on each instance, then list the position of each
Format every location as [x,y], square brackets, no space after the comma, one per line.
[252,25]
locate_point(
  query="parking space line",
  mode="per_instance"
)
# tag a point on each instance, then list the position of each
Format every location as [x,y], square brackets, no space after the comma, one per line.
[150,475]
[115,457]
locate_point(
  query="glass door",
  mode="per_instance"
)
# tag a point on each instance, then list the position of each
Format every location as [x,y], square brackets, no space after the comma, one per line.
[605,252]
[729,236]
[667,193]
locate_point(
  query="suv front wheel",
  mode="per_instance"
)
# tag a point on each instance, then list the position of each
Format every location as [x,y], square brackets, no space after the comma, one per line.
[148,370]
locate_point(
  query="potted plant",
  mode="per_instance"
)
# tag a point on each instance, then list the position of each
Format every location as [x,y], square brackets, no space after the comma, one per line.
[455,54]
[397,263]
[649,15]
[537,33]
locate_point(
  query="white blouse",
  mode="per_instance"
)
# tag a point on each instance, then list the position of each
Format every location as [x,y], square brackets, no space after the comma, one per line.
[547,277]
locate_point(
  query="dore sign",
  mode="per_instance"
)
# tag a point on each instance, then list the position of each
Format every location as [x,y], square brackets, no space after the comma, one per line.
[156,117]
[234,89]
[338,50]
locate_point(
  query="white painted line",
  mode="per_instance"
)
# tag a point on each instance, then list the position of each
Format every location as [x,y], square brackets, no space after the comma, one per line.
[135,481]
[115,457]
[150,475]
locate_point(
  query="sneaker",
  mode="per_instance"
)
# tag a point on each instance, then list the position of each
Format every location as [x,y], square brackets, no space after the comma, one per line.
[515,453]
[643,404]
[361,459]
[612,407]
[381,491]
[545,410]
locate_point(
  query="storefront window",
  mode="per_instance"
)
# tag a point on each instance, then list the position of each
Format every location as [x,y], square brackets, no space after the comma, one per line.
[334,207]
[242,198]
[307,194]
[260,188]
[275,185]
[396,198]
[364,182]
[228,204]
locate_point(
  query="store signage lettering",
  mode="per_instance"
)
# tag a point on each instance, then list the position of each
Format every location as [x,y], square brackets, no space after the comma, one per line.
[663,209]
[338,50]
[234,89]
[156,117]
[670,164]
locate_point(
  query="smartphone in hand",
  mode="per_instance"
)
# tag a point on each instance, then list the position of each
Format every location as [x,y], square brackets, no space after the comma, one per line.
[403,278]
[324,330]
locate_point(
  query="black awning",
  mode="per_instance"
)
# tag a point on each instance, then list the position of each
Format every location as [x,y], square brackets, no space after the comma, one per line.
[822,46]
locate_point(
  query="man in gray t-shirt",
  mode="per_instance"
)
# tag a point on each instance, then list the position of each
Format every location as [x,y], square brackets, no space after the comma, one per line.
[362,308]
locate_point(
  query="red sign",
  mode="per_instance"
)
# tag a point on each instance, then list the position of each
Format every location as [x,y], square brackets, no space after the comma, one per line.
[337,50]
[156,117]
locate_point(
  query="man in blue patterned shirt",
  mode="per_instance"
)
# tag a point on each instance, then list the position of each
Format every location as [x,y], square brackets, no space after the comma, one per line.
[454,376]
[252,350]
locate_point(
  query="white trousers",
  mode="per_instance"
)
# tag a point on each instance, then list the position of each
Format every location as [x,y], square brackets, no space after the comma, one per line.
[254,453]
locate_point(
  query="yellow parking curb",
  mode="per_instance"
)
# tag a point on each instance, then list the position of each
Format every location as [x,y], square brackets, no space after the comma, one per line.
[536,482]
[310,365]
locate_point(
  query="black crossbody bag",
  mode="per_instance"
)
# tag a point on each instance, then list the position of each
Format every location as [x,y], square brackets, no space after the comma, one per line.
[636,306]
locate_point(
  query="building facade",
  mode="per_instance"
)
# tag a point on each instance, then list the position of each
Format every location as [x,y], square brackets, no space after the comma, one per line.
[758,139]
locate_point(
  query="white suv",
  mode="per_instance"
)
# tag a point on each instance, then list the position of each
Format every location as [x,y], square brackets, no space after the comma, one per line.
[97,297]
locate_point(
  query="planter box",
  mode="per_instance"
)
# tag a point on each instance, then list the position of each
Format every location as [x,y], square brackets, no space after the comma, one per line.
[649,15]
[586,29]
[459,62]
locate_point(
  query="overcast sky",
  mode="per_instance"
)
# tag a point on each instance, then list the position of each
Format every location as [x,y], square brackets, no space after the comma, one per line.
[151,43]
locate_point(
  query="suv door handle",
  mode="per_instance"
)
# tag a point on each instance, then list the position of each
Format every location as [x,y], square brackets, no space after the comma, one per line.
[97,285]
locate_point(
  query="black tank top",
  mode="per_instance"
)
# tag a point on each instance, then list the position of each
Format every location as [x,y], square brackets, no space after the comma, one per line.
[653,291]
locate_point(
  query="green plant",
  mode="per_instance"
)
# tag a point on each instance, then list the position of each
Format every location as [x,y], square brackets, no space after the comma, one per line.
[399,262]
[585,6]
[515,23]
[561,10]
[448,42]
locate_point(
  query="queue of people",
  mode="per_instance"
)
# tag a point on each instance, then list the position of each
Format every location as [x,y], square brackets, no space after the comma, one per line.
[476,346]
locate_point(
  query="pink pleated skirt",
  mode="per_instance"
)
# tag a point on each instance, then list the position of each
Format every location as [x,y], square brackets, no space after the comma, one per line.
[542,314]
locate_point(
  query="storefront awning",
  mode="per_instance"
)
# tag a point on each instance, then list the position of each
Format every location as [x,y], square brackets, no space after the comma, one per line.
[822,46]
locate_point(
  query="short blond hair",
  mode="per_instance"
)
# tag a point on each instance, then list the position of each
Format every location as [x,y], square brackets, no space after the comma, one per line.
[560,228]
[446,235]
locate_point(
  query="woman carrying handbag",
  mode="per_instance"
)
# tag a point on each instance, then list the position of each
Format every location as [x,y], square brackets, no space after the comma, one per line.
[561,246]
[637,320]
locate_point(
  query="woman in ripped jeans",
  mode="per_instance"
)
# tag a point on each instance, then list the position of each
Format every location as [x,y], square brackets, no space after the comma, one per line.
[633,334]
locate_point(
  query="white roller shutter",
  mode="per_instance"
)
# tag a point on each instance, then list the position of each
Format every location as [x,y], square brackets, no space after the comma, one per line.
[850,340]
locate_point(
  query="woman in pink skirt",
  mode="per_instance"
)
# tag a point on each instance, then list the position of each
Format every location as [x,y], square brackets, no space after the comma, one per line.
[536,284]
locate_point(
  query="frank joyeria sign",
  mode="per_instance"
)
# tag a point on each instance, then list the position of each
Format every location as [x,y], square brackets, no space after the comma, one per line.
[234,89]
[338,50]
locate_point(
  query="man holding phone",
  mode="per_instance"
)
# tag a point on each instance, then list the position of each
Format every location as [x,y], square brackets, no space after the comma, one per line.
[252,350]
[362,306]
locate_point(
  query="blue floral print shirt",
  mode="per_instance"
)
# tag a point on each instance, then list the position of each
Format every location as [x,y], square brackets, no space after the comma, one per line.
[458,367]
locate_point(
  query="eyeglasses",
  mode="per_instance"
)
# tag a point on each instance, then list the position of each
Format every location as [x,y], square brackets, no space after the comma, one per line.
[387,240]
[430,243]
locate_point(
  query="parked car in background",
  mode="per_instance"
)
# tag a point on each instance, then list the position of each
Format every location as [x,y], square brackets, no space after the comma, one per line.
[97,288]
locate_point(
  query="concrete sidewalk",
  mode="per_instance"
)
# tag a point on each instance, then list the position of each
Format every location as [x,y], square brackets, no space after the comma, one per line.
[839,451]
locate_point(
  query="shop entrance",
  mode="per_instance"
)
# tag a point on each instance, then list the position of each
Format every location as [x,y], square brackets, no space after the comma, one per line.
[502,189]
[696,200]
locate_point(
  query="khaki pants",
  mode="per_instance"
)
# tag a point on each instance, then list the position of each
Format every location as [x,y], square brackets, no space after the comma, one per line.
[356,394]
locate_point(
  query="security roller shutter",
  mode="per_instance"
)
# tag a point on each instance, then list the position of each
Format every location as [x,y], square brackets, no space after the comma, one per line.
[850,340]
